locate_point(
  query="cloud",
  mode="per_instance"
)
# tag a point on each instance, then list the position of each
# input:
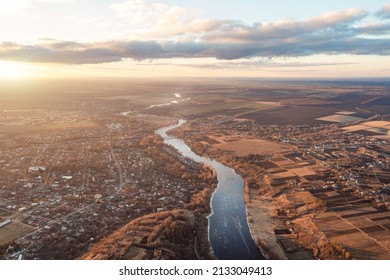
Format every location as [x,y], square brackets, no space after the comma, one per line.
[330,33]
[58,52]
[384,13]
[329,24]
[110,51]
[159,20]
[374,29]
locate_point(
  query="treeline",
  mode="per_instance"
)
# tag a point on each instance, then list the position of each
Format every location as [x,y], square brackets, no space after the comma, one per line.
[311,237]
[163,235]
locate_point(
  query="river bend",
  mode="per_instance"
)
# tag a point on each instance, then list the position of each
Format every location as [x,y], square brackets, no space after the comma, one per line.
[229,233]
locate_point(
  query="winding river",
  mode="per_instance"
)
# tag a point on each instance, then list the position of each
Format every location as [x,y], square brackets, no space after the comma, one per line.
[229,233]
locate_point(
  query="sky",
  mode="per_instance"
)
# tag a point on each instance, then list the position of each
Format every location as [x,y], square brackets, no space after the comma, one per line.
[203,38]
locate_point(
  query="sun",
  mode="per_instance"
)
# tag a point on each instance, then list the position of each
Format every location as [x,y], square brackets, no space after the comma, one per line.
[10,70]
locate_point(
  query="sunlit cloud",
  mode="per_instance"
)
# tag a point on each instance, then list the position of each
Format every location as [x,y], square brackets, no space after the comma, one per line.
[329,24]
[158,20]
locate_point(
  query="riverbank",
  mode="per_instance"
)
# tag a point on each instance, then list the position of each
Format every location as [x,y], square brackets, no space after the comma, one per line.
[229,232]
[261,222]
[259,212]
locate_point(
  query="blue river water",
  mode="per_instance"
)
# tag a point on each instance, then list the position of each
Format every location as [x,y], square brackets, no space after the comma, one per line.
[229,233]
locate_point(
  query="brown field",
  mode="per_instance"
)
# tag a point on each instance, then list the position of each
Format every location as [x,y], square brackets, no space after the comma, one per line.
[228,107]
[298,198]
[157,121]
[339,119]
[243,147]
[300,169]
[304,171]
[13,231]
[381,128]
[383,137]
[353,128]
[377,124]
[357,227]
[351,234]
[285,174]
[286,163]
[292,115]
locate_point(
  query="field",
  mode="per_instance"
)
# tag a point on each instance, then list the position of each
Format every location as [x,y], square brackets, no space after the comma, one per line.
[266,102]
[157,121]
[339,119]
[379,104]
[280,103]
[46,127]
[379,128]
[243,147]
[353,223]
[291,115]
[37,120]
[364,238]
[226,107]
[13,231]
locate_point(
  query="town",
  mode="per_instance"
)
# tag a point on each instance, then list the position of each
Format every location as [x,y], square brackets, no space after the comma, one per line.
[70,178]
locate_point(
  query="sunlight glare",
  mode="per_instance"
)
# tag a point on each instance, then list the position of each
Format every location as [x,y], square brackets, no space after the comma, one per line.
[11,70]
[13,6]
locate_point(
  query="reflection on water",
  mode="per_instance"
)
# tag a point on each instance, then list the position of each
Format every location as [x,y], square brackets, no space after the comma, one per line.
[178,100]
[228,227]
